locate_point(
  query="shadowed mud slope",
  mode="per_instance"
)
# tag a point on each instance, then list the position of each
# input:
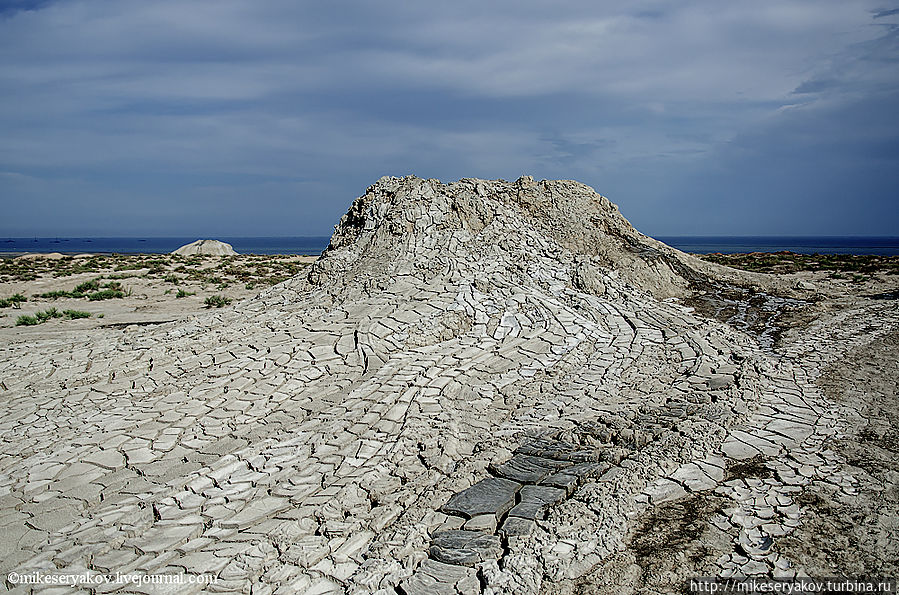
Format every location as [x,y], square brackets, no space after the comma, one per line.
[480,386]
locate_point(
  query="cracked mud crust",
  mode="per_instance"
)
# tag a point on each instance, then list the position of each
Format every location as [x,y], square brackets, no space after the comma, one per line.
[829,511]
[857,536]
[480,387]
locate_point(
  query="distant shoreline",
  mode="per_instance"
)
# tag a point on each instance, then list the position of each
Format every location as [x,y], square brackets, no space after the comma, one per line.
[297,245]
[315,245]
[11,255]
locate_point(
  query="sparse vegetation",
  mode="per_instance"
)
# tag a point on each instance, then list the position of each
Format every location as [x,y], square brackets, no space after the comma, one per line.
[48,314]
[157,266]
[217,301]
[243,269]
[106,294]
[14,301]
[101,277]
[791,262]
[26,320]
[87,286]
[90,290]
[52,295]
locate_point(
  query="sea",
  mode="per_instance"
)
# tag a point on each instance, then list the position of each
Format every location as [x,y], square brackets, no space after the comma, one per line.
[885,246]
[313,245]
[305,245]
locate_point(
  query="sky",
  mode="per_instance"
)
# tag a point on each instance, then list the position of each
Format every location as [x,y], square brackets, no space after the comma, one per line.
[249,118]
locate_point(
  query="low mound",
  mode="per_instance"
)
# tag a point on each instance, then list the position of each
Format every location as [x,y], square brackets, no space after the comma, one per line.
[48,256]
[478,373]
[411,225]
[206,247]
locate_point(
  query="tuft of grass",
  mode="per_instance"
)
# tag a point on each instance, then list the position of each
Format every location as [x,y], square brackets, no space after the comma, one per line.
[217,301]
[86,287]
[14,301]
[106,294]
[48,314]
[91,290]
[52,295]
[26,320]
[171,279]
[181,293]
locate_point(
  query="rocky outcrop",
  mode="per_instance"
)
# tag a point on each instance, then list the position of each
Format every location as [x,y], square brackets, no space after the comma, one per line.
[518,218]
[206,248]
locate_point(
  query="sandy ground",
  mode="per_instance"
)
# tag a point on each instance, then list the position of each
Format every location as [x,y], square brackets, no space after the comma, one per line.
[151,298]
[857,535]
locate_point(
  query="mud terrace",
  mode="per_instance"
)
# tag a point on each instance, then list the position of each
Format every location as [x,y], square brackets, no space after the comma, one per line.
[480,387]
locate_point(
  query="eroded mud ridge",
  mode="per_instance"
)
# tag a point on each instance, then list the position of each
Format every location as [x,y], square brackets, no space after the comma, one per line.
[481,386]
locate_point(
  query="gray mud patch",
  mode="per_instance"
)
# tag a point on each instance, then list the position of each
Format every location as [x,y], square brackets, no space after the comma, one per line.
[856,534]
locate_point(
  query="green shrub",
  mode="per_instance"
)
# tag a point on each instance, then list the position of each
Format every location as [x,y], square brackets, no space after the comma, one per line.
[52,295]
[80,290]
[91,290]
[87,286]
[25,320]
[106,294]
[181,293]
[42,317]
[48,314]
[171,279]
[13,301]
[217,301]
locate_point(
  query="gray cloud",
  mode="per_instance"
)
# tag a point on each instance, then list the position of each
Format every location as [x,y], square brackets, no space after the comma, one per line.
[285,111]
[879,14]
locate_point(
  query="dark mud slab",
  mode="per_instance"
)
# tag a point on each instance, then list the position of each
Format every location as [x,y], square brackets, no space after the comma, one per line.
[762,315]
